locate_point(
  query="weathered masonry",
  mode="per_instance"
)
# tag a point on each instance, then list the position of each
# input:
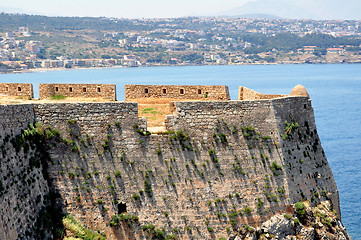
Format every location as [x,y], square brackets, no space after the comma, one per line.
[186,92]
[248,94]
[105,91]
[221,165]
[17,89]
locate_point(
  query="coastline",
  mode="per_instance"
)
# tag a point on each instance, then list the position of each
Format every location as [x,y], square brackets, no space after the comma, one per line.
[171,65]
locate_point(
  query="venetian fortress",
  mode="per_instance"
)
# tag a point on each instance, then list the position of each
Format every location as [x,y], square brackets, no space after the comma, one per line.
[204,167]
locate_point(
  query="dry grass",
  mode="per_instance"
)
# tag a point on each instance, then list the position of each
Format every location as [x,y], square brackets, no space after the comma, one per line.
[154,113]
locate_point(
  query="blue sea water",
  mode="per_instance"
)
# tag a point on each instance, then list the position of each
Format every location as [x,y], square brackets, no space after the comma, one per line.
[335,91]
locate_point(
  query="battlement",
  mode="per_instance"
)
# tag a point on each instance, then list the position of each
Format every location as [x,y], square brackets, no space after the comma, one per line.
[105,91]
[179,92]
[248,94]
[17,89]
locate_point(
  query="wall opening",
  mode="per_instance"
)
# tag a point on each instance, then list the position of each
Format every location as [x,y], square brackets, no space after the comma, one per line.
[199,91]
[84,89]
[164,91]
[98,89]
[70,89]
[122,208]
[19,89]
[56,89]
[146,90]
[6,89]
[181,91]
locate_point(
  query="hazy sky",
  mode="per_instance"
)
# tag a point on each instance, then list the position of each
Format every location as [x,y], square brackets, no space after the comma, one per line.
[123,8]
[171,8]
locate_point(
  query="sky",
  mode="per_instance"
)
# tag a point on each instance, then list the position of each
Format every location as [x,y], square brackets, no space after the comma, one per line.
[326,9]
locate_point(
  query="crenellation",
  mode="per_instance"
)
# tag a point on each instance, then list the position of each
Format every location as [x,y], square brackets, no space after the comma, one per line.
[104,91]
[17,89]
[179,92]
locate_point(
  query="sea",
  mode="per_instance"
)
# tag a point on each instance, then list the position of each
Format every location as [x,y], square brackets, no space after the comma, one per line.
[335,90]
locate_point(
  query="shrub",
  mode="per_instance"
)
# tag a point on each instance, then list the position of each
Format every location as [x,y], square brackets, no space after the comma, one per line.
[78,230]
[159,152]
[149,227]
[99,201]
[117,124]
[135,196]
[57,97]
[211,152]
[249,228]
[300,209]
[71,121]
[223,137]
[171,237]
[147,187]
[266,137]
[247,210]
[71,175]
[74,148]
[117,173]
[210,229]
[287,216]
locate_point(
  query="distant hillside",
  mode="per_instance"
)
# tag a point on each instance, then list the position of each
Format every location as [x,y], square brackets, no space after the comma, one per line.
[307,9]
[38,23]
[257,16]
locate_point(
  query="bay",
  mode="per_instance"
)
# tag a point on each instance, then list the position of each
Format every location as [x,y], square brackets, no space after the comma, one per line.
[335,90]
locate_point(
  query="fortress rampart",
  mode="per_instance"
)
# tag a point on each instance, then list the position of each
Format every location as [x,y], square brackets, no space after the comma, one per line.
[180,92]
[17,89]
[105,91]
[253,157]
[248,94]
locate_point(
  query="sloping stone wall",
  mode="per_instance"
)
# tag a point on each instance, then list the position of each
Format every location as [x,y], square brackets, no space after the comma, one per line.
[23,189]
[227,163]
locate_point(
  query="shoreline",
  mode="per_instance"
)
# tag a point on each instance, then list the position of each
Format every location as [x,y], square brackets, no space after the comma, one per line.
[169,65]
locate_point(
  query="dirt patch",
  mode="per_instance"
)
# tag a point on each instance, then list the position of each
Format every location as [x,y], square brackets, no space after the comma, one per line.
[154,113]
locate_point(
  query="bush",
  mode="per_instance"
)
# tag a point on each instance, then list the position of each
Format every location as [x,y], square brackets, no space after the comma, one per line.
[287,216]
[57,97]
[74,148]
[117,173]
[300,209]
[211,152]
[171,237]
[135,196]
[71,121]
[99,201]
[148,228]
[247,210]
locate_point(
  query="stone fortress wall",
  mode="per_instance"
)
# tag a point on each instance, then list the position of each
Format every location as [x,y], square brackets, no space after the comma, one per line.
[23,189]
[248,94]
[179,92]
[17,89]
[105,91]
[220,159]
